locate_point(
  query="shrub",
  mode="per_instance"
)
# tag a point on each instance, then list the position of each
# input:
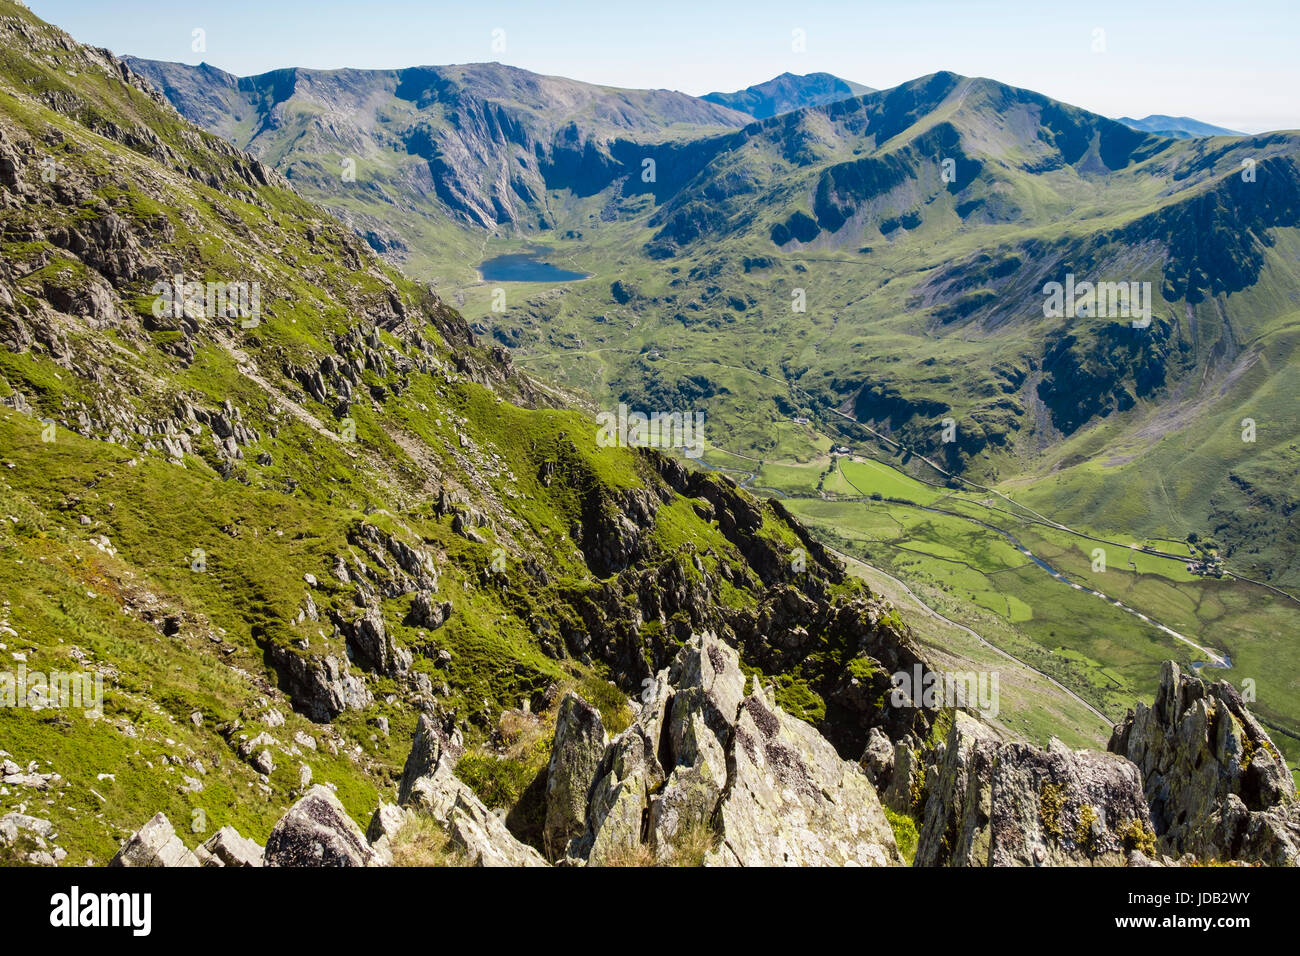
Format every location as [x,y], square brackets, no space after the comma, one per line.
[905,833]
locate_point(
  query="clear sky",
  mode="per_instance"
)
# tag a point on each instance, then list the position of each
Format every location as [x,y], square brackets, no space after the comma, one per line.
[1234,64]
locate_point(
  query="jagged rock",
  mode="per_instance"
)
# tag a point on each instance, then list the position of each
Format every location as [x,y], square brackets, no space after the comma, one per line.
[154,844]
[1216,784]
[483,837]
[576,753]
[317,831]
[905,785]
[436,746]
[1013,804]
[321,687]
[709,688]
[228,848]
[703,755]
[791,800]
[474,830]
[429,785]
[372,643]
[462,527]
[935,792]
[878,759]
[387,820]
[620,799]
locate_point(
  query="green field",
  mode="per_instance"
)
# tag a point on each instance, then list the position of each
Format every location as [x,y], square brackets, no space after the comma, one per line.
[975,576]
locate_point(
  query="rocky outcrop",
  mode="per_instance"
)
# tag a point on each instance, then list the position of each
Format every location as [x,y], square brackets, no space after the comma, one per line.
[791,800]
[703,757]
[993,803]
[29,840]
[1217,786]
[317,831]
[579,745]
[154,844]
[372,643]
[321,687]
[436,747]
[426,612]
[429,785]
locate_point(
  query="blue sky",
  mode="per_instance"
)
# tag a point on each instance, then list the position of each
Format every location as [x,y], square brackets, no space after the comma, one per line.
[1236,65]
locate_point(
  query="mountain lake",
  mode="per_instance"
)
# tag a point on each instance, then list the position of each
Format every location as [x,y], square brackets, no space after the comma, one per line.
[526,267]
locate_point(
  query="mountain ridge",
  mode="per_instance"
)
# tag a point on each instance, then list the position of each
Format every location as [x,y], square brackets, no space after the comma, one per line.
[1177,126]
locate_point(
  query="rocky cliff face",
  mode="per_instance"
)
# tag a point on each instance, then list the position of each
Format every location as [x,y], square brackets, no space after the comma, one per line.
[1216,784]
[1191,777]
[990,803]
[711,772]
[483,142]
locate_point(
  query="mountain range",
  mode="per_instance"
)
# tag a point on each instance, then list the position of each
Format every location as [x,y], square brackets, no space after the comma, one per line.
[1179,127]
[973,177]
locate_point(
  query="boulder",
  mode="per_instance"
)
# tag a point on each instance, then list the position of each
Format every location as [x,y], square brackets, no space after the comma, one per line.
[387,820]
[426,612]
[154,844]
[227,848]
[317,831]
